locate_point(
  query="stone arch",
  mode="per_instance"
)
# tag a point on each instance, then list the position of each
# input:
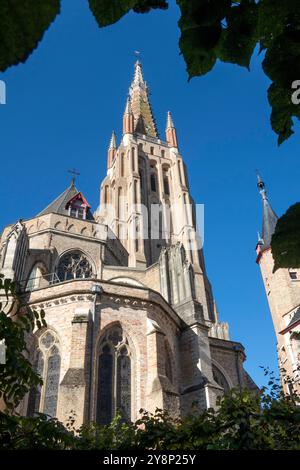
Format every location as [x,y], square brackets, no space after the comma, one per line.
[221,377]
[84,231]
[71,228]
[41,225]
[58,225]
[31,229]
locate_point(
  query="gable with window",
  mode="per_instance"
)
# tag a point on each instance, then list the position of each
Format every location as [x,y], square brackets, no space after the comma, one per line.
[78,207]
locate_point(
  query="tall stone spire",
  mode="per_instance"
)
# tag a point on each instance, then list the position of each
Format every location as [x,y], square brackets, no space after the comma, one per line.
[144,122]
[111,149]
[269,216]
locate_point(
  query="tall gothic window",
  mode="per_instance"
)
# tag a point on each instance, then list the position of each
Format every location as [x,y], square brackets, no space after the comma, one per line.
[47,365]
[153,182]
[132,159]
[122,164]
[74,265]
[114,377]
[166,185]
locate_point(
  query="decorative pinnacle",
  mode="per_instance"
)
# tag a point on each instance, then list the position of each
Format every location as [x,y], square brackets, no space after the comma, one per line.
[113,143]
[128,109]
[170,123]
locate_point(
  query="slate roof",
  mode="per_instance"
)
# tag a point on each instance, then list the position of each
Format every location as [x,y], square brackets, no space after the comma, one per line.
[269,216]
[58,206]
[269,223]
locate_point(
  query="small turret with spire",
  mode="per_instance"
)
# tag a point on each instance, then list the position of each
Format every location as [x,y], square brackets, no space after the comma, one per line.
[111,150]
[128,118]
[171,134]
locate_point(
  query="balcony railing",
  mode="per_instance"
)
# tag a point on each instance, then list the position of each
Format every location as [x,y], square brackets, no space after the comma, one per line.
[38,282]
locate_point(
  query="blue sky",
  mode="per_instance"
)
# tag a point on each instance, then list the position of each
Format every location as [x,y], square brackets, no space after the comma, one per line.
[63,103]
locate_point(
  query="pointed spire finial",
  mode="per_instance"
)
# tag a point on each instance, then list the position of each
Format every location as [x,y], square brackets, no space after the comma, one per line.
[74,173]
[128,109]
[138,78]
[261,186]
[113,143]
[170,123]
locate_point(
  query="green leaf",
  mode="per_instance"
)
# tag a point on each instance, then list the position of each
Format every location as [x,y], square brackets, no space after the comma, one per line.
[274,17]
[197,46]
[282,60]
[107,12]
[283,110]
[22,26]
[285,242]
[239,38]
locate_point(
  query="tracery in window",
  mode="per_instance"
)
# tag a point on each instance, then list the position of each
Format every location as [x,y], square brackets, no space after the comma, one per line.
[74,265]
[47,365]
[114,377]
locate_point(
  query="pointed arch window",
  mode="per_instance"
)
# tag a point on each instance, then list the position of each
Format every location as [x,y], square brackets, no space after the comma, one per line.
[133,159]
[74,265]
[153,182]
[47,364]
[114,377]
[166,185]
[220,379]
[122,164]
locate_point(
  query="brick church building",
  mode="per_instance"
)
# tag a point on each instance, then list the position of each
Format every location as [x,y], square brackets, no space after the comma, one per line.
[131,317]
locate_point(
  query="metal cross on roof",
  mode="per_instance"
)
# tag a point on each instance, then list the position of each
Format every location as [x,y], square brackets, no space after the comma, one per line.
[75,173]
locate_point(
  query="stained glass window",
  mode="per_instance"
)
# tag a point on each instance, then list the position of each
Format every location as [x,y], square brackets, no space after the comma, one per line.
[114,378]
[34,398]
[47,364]
[52,382]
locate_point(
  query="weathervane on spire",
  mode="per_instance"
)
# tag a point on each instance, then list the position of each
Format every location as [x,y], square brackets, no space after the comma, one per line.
[74,173]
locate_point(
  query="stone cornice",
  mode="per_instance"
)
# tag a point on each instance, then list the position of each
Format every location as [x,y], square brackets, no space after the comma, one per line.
[81,290]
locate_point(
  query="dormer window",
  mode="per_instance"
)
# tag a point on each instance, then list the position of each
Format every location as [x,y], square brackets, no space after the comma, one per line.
[78,207]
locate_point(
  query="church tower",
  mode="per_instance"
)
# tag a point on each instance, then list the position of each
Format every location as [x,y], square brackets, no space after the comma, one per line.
[283,293]
[131,318]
